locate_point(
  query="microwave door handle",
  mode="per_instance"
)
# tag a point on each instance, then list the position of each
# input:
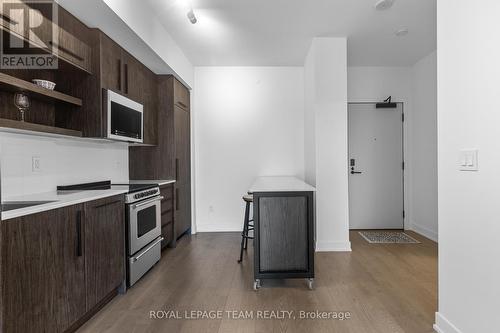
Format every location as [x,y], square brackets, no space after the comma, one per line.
[160,198]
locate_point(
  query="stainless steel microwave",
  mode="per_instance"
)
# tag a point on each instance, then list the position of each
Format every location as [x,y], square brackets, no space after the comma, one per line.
[125,118]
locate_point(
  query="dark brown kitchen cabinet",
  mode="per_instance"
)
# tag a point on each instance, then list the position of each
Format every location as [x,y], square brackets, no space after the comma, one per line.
[58,267]
[182,209]
[73,45]
[104,248]
[111,64]
[124,74]
[183,169]
[170,159]
[43,271]
[181,95]
[167,215]
[72,42]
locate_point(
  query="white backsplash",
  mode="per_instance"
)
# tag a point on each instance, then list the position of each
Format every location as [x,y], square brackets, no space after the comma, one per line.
[62,162]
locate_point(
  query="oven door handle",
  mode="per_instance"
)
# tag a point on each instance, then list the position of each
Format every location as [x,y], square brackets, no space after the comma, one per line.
[134,259]
[141,204]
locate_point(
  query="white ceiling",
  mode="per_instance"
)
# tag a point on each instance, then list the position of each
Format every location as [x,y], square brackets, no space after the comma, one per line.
[279,32]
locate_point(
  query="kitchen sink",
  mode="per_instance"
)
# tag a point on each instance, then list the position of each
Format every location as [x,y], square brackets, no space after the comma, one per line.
[11,205]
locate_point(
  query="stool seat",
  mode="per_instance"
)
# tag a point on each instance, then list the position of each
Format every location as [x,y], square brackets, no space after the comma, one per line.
[248,198]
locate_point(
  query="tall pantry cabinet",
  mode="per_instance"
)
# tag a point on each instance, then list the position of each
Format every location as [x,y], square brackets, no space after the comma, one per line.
[171,157]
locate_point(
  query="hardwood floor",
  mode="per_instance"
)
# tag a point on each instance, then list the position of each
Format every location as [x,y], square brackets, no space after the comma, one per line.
[385,287]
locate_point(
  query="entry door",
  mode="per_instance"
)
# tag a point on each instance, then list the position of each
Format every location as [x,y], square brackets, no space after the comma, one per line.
[375,167]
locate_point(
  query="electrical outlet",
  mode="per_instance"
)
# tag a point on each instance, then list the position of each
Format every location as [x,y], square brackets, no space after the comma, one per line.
[468,160]
[36,165]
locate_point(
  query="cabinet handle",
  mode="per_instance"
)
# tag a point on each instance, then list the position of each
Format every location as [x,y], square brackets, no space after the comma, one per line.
[177,199]
[119,63]
[177,169]
[68,51]
[79,233]
[125,70]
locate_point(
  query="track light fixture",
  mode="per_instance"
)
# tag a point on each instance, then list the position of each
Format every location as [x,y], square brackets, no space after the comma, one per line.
[191,16]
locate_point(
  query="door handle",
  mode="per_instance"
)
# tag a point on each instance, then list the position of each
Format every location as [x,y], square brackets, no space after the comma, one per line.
[160,198]
[355,172]
[79,234]
[148,249]
[177,169]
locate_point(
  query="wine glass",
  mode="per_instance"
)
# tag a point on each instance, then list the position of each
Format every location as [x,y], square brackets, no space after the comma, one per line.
[22,102]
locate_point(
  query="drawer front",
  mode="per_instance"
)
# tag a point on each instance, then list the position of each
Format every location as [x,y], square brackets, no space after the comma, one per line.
[167,232]
[142,262]
[167,203]
[167,217]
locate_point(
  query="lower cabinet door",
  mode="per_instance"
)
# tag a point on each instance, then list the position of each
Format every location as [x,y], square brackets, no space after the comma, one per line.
[182,209]
[43,277]
[104,247]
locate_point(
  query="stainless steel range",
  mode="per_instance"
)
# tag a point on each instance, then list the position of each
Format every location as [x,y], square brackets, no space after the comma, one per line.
[143,223]
[143,211]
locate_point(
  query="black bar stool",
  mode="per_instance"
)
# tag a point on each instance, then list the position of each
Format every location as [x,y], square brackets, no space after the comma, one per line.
[247,225]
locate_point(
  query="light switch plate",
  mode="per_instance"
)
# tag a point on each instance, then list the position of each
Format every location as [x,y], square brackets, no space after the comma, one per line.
[468,160]
[36,165]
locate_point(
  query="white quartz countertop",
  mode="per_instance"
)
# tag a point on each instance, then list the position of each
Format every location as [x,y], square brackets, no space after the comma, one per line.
[59,199]
[160,182]
[280,184]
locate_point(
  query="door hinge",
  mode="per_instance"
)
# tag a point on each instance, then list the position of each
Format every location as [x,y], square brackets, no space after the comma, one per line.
[403,117]
[403,165]
[404,214]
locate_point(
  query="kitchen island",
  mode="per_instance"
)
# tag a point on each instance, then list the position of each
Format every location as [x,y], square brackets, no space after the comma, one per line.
[284,229]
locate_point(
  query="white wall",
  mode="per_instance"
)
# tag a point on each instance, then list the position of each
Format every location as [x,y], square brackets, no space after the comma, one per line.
[424,189]
[416,87]
[63,162]
[248,122]
[309,119]
[374,84]
[468,118]
[326,90]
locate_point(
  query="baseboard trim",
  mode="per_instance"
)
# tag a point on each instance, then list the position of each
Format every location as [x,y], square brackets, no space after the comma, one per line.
[427,233]
[443,325]
[333,247]
[209,228]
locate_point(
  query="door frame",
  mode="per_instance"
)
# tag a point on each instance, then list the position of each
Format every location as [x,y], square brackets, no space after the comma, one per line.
[405,149]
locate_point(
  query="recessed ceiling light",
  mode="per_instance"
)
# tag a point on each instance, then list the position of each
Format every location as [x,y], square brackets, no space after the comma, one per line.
[402,32]
[384,4]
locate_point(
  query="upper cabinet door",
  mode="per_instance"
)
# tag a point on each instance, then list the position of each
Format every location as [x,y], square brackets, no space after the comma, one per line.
[67,35]
[182,146]
[111,64]
[181,95]
[74,41]
[43,272]
[133,78]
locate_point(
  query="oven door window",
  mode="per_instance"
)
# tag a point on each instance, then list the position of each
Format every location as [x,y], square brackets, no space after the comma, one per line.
[146,220]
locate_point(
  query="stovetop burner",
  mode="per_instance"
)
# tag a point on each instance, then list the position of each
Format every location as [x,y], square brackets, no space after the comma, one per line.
[105,185]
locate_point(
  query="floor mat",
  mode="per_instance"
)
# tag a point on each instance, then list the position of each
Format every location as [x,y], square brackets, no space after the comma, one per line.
[388,237]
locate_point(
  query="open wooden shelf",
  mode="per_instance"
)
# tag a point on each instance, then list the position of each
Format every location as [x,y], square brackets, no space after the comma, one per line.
[11,83]
[8,123]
